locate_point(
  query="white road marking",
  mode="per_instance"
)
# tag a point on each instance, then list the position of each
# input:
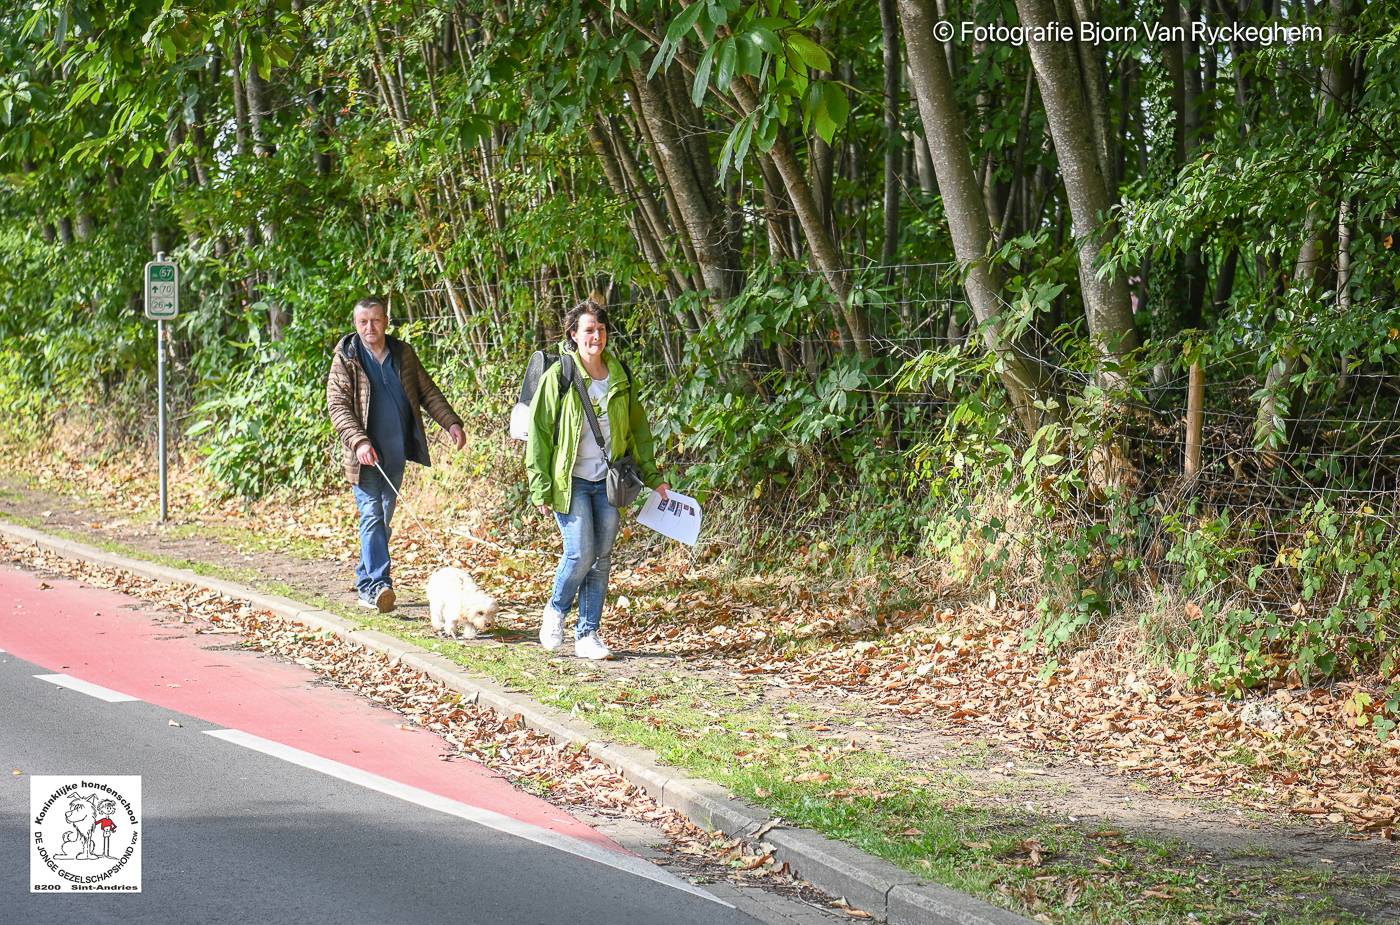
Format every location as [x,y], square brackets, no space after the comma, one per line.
[492,820]
[86,687]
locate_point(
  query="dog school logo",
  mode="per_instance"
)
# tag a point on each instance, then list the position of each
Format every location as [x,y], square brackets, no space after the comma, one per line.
[85,834]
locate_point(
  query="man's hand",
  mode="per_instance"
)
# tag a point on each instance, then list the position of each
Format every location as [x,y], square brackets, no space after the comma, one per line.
[366,454]
[458,437]
[663,490]
[544,509]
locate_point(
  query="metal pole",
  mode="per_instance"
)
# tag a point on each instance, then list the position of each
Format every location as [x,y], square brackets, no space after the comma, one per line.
[160,400]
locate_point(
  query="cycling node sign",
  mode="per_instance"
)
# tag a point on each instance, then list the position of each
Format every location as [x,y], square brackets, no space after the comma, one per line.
[162,290]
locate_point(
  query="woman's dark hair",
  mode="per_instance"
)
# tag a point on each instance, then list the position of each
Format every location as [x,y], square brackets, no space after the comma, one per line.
[586,307]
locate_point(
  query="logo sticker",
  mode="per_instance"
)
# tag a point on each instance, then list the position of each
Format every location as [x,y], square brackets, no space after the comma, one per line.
[85,834]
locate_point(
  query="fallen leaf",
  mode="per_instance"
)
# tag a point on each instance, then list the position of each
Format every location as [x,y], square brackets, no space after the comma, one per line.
[810,777]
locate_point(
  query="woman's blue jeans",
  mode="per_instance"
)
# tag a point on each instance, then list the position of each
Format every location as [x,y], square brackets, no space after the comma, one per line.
[589,529]
[375,499]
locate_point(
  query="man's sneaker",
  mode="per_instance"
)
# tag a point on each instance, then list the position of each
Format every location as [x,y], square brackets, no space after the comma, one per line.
[366,601]
[384,599]
[591,646]
[552,629]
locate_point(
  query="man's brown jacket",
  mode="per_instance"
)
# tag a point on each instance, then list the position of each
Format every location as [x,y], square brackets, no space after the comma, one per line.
[347,394]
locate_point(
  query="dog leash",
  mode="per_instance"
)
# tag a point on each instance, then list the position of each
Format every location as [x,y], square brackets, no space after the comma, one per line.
[399,500]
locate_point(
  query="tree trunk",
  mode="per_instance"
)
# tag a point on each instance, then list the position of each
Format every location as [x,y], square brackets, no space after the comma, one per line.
[819,239]
[642,231]
[1095,83]
[1225,282]
[894,68]
[776,209]
[1106,304]
[962,200]
[240,99]
[322,157]
[707,227]
[1020,183]
[84,226]
[395,101]
[241,135]
[1270,425]
[668,191]
[258,112]
[655,219]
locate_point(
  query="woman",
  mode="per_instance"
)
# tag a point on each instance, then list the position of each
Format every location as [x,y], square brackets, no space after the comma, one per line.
[568,472]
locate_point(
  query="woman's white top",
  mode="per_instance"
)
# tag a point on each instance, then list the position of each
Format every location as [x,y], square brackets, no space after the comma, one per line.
[590,463]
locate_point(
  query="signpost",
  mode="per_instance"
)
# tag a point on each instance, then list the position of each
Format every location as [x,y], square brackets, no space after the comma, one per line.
[162,303]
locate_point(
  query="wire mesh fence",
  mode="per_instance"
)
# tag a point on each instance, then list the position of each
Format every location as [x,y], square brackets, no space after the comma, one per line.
[1329,492]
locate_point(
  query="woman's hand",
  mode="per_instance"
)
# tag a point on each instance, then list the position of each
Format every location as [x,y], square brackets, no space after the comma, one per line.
[663,490]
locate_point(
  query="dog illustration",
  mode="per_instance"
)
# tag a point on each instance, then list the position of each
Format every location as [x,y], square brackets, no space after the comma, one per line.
[72,844]
[455,601]
[82,816]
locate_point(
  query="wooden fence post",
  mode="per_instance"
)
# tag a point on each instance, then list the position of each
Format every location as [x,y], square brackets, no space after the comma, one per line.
[1195,417]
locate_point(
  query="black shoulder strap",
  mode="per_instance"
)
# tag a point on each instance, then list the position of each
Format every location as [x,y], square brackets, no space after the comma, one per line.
[566,381]
[632,382]
[591,416]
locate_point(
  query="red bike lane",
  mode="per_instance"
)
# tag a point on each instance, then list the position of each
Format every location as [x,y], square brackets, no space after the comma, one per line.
[126,645]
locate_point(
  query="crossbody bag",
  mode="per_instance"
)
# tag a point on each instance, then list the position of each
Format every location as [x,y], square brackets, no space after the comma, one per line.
[624,478]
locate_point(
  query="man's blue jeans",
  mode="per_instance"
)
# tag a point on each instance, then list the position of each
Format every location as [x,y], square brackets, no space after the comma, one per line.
[589,529]
[375,499]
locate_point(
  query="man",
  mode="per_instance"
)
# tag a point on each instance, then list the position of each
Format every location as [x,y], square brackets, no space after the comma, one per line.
[377,390]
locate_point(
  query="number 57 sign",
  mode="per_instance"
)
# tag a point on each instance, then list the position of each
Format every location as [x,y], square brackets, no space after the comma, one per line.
[162,290]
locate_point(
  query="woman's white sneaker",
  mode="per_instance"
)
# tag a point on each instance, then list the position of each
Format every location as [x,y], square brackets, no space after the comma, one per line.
[552,629]
[591,646]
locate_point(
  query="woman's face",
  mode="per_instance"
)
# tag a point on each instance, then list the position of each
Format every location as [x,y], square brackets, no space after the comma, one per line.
[590,337]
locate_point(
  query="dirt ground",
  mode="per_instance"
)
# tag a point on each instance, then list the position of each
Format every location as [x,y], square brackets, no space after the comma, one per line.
[1069,789]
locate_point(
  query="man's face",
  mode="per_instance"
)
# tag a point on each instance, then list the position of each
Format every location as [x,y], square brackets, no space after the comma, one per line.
[371,322]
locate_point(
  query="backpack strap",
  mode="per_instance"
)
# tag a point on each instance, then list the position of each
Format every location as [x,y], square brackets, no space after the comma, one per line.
[566,381]
[631,381]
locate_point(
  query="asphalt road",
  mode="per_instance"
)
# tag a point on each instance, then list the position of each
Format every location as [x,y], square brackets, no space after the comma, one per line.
[245,822]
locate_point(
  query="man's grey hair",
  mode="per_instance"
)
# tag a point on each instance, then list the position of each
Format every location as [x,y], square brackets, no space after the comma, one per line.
[372,301]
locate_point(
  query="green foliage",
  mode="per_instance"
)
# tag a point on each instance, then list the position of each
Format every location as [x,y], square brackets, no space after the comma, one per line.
[766,44]
[782,430]
[1209,551]
[265,426]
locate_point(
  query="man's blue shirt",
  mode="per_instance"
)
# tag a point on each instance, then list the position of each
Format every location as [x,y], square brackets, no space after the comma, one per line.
[390,423]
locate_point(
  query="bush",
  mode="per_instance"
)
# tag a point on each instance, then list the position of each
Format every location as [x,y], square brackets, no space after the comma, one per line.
[265,425]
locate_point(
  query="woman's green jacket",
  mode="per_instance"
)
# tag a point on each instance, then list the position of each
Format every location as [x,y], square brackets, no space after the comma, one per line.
[550,456]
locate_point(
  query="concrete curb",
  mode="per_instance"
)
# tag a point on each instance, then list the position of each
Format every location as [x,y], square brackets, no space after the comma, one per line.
[869,883]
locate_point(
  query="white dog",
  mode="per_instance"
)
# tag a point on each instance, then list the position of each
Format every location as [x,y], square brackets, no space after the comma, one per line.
[454,600]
